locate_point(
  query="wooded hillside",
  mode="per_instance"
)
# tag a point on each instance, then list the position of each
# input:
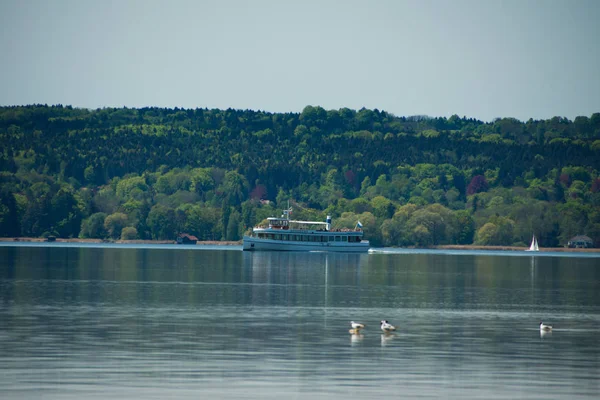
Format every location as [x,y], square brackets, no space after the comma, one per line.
[151,173]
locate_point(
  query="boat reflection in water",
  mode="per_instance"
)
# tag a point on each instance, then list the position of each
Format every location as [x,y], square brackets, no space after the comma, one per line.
[303,278]
[291,267]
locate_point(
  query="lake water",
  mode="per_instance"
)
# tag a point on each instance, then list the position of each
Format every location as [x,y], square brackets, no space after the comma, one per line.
[187,322]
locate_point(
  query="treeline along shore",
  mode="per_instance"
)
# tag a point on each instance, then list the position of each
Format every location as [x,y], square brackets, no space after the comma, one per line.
[116,241]
[412,181]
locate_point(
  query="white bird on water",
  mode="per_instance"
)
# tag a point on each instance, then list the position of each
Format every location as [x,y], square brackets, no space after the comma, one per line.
[387,327]
[544,327]
[356,325]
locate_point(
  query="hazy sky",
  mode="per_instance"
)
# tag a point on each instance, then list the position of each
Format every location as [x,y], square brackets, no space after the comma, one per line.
[481,59]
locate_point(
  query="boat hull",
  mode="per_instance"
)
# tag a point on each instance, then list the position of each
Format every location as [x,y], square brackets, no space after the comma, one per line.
[256,244]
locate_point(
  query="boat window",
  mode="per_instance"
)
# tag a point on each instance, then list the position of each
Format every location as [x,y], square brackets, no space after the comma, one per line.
[331,238]
[338,238]
[344,238]
[304,238]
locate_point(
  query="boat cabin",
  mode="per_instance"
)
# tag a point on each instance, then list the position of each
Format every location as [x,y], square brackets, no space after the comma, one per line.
[310,236]
[279,223]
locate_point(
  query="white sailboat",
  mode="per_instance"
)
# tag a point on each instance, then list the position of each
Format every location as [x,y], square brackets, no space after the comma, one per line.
[534,245]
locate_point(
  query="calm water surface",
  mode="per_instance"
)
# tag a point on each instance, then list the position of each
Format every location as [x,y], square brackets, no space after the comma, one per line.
[176,322]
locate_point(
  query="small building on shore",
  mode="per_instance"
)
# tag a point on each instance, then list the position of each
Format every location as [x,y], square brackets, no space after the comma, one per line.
[581,241]
[186,238]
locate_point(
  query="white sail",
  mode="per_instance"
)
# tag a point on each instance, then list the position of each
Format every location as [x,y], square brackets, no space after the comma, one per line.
[534,245]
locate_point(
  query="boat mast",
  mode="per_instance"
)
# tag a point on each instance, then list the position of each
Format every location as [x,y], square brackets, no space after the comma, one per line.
[287,212]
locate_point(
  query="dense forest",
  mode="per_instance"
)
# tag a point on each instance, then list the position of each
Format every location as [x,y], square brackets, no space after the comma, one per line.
[151,173]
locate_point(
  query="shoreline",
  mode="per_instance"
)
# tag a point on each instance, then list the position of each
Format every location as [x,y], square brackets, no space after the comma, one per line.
[239,243]
[513,248]
[119,241]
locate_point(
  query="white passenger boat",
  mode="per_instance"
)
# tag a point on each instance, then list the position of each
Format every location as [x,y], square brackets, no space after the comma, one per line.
[284,234]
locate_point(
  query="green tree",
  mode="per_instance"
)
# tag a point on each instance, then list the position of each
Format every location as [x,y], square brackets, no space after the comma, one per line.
[360,205]
[464,227]
[429,225]
[67,213]
[233,226]
[93,227]
[105,201]
[487,234]
[234,188]
[134,186]
[573,216]
[201,181]
[364,186]
[248,215]
[162,223]
[392,232]
[173,181]
[129,233]
[382,207]
[114,224]
[204,222]
[314,116]
[497,232]
[422,236]
[37,220]
[9,216]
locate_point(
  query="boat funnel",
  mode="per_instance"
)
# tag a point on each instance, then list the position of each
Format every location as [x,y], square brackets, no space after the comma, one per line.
[328,220]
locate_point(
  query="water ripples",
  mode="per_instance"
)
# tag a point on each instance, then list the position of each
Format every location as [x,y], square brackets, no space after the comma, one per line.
[260,326]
